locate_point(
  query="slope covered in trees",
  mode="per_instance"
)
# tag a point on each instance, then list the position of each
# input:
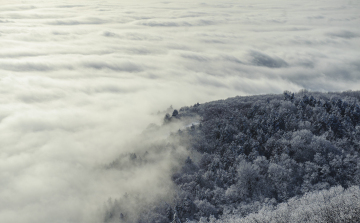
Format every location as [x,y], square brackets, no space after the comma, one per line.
[267,158]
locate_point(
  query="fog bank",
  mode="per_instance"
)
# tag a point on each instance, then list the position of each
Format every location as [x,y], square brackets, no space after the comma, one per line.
[81,80]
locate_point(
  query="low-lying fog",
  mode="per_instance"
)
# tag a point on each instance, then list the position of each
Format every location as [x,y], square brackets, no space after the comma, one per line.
[80,80]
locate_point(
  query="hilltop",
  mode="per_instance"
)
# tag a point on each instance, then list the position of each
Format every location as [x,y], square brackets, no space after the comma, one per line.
[291,157]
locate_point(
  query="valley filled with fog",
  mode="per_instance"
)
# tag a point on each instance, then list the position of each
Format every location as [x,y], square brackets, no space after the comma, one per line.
[80,82]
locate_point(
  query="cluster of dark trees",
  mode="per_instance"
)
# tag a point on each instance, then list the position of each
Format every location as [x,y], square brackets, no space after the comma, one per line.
[263,157]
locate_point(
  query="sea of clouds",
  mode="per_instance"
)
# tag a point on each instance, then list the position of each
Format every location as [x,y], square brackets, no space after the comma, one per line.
[80,79]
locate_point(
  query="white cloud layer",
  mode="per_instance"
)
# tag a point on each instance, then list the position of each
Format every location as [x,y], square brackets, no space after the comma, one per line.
[79,79]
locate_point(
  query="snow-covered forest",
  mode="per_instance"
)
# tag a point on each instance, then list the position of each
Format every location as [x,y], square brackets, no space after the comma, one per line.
[292,157]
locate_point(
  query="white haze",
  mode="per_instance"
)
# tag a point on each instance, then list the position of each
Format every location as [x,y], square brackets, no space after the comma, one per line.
[80,79]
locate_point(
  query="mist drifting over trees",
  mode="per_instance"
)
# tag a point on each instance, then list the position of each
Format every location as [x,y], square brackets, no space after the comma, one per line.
[269,158]
[81,81]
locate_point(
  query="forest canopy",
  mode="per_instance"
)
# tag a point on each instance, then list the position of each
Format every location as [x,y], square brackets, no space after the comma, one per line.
[292,157]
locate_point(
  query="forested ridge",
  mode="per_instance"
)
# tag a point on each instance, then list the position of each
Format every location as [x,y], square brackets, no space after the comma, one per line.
[292,157]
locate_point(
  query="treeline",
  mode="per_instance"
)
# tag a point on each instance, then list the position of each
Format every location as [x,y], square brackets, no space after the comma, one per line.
[257,158]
